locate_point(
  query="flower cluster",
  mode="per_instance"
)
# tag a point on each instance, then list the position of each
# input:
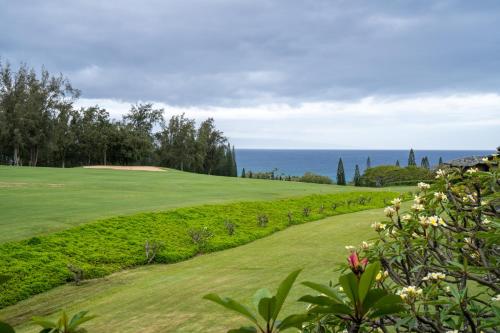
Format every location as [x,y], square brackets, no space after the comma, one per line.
[378,226]
[440,196]
[423,186]
[410,293]
[389,211]
[381,276]
[434,276]
[440,173]
[472,170]
[434,221]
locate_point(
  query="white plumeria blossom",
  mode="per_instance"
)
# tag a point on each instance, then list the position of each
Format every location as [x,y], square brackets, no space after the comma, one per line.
[418,207]
[440,173]
[378,226]
[409,293]
[423,186]
[486,221]
[350,248]
[366,245]
[440,196]
[496,298]
[434,276]
[396,203]
[436,221]
[453,331]
[417,199]
[472,170]
[389,211]
[406,217]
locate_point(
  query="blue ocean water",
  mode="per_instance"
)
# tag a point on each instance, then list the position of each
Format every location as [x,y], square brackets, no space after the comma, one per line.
[324,162]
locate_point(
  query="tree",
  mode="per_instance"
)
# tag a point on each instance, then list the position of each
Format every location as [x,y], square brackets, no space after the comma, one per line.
[357,176]
[243,175]
[340,173]
[440,161]
[425,163]
[368,163]
[397,163]
[234,165]
[411,158]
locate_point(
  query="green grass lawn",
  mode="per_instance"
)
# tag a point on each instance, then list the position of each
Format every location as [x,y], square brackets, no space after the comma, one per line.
[36,201]
[167,298]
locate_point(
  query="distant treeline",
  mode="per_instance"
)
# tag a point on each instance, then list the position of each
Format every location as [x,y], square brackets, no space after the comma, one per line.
[383,175]
[39,126]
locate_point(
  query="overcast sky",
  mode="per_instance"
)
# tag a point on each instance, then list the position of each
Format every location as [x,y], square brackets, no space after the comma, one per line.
[280,74]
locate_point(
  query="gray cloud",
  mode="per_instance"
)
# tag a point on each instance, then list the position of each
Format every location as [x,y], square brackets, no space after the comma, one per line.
[232,53]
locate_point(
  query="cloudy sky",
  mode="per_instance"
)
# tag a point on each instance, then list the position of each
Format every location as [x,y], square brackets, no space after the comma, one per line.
[280,74]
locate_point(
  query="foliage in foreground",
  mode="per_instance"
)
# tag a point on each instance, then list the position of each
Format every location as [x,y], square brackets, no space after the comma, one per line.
[63,324]
[435,268]
[389,175]
[106,246]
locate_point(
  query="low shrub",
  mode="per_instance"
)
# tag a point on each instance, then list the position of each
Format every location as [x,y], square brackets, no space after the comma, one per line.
[389,175]
[310,177]
[102,247]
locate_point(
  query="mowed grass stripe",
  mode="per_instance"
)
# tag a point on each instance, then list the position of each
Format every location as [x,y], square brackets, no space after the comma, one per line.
[167,298]
[103,247]
[35,201]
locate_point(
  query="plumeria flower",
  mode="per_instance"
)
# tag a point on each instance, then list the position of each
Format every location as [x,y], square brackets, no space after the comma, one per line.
[406,217]
[472,170]
[357,266]
[434,276]
[410,293]
[440,196]
[396,203]
[452,331]
[378,226]
[447,289]
[381,276]
[341,289]
[436,221]
[418,199]
[496,298]
[423,186]
[424,221]
[350,248]
[418,207]
[486,221]
[389,211]
[440,173]
[366,245]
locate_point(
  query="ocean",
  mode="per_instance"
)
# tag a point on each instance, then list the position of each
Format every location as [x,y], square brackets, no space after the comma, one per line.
[296,162]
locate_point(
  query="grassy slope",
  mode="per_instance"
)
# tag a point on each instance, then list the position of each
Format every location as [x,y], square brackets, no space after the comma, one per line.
[35,201]
[167,298]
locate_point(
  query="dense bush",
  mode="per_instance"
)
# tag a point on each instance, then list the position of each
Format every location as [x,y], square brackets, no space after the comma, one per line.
[389,175]
[310,177]
[102,247]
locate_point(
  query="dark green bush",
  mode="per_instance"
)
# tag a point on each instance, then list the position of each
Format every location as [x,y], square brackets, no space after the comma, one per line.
[390,175]
[310,177]
[106,246]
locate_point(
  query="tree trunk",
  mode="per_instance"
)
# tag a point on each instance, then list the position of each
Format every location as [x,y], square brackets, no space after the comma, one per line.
[16,155]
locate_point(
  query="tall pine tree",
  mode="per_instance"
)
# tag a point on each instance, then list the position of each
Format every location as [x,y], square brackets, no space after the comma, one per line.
[243,175]
[425,163]
[440,161]
[234,169]
[368,163]
[397,163]
[357,176]
[411,158]
[340,173]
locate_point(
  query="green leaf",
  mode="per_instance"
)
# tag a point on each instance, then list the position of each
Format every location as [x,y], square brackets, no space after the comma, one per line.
[260,294]
[45,323]
[388,304]
[79,318]
[266,307]
[332,309]
[6,328]
[233,305]
[295,320]
[244,329]
[372,297]
[317,300]
[350,285]
[324,289]
[367,280]
[283,291]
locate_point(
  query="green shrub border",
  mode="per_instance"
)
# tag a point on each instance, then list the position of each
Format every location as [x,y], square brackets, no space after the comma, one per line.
[106,246]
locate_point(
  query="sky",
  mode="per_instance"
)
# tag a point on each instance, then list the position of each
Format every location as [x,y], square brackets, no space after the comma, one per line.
[280,74]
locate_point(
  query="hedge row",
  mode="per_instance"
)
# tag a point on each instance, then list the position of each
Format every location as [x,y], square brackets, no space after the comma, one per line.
[105,246]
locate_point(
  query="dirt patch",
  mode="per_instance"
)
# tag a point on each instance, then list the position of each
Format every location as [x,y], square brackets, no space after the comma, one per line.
[133,168]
